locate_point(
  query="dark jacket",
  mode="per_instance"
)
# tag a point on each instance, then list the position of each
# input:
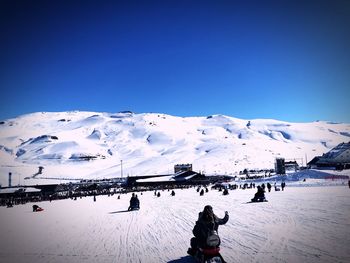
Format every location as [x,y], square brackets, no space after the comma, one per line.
[203,227]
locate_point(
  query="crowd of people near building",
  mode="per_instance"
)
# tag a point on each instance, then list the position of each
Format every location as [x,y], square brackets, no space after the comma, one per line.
[17,198]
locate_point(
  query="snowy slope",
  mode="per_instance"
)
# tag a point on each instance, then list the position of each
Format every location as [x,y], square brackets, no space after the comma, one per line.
[300,224]
[73,145]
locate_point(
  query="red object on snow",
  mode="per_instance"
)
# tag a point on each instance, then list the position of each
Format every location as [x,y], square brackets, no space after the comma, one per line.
[210,251]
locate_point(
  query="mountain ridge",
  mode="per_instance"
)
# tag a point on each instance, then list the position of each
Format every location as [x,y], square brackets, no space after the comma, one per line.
[93,144]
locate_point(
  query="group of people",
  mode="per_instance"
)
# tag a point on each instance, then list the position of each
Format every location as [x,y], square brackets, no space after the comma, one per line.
[260,194]
[205,231]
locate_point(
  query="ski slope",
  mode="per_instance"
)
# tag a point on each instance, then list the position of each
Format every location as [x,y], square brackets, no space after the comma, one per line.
[300,224]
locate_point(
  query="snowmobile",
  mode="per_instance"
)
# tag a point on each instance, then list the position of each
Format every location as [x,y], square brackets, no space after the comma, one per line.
[208,255]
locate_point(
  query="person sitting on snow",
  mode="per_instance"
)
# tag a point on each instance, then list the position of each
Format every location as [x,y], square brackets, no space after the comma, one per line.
[134,202]
[137,202]
[206,226]
[37,208]
[259,195]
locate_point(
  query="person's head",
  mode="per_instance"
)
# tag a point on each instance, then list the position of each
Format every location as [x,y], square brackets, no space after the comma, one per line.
[133,195]
[208,213]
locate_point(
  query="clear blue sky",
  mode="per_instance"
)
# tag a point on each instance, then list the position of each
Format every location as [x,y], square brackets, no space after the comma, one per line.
[286,60]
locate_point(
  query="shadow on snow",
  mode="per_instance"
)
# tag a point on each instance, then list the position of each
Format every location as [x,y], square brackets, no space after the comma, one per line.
[186,259]
[118,212]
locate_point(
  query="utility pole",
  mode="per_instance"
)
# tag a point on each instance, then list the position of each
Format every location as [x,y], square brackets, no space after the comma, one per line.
[10,179]
[121,168]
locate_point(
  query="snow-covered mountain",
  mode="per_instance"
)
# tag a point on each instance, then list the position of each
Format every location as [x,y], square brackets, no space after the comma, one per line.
[91,145]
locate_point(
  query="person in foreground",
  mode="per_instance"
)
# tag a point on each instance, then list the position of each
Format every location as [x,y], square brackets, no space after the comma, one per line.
[205,245]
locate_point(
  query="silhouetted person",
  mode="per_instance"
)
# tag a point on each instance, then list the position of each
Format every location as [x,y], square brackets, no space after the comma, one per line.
[134,202]
[37,208]
[268,187]
[283,185]
[259,195]
[137,202]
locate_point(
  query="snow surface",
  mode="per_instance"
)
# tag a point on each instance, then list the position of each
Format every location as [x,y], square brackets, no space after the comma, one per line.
[152,143]
[300,224]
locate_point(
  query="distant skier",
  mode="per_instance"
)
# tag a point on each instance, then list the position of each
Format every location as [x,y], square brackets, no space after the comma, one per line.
[158,194]
[172,193]
[201,192]
[225,192]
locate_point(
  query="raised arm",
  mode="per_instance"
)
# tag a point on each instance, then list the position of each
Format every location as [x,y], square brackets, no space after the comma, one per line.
[222,221]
